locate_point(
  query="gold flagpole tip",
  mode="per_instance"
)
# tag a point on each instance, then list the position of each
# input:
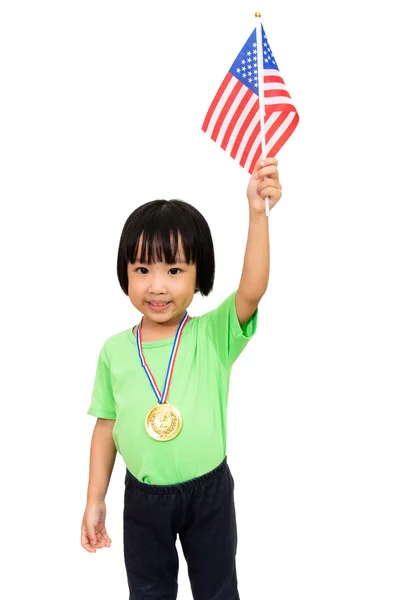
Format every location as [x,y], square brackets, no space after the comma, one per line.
[257,14]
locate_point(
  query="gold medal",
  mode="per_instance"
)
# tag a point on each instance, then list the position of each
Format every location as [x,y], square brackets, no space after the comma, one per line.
[163,422]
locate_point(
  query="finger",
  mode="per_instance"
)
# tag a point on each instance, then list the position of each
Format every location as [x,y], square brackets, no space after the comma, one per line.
[265,162]
[89,548]
[106,537]
[85,543]
[102,544]
[257,167]
[270,184]
[270,160]
[270,171]
[101,541]
[271,192]
[91,533]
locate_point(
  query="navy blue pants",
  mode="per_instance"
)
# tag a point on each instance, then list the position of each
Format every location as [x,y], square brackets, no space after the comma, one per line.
[202,512]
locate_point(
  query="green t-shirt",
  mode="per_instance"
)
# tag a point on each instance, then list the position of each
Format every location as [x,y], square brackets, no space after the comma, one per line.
[199,390]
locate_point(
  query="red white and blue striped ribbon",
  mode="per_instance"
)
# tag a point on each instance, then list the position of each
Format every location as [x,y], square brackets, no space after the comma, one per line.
[161,397]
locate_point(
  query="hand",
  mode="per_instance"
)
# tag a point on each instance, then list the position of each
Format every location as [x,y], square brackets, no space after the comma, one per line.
[93,532]
[264,183]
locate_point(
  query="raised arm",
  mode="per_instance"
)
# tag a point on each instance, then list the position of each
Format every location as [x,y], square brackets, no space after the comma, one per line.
[255,274]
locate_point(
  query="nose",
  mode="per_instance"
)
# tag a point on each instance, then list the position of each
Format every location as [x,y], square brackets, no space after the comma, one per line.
[157,285]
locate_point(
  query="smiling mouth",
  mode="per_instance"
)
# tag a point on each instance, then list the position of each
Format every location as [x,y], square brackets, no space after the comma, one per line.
[158,303]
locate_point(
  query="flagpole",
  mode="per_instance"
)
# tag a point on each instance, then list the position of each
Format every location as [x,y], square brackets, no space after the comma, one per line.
[260,66]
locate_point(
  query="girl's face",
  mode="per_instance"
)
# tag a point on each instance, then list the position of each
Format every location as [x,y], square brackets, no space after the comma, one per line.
[160,291]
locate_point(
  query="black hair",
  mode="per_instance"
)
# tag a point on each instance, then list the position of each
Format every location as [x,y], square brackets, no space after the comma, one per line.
[159,224]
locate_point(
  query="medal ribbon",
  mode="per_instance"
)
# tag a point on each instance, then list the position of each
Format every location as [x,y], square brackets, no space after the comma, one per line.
[161,397]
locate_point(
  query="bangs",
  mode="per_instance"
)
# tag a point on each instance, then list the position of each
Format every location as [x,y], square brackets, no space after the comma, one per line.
[161,246]
[158,239]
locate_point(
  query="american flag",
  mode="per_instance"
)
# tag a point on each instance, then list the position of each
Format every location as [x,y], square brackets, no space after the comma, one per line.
[233,119]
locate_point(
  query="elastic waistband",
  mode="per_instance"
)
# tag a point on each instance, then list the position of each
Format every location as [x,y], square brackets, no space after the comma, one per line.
[178,487]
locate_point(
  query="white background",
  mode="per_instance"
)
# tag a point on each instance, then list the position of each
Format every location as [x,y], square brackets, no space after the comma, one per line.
[101,110]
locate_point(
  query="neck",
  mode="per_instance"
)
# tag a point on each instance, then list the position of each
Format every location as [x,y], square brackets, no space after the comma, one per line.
[153,331]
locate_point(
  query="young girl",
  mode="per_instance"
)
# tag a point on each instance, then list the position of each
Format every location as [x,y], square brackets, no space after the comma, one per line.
[160,397]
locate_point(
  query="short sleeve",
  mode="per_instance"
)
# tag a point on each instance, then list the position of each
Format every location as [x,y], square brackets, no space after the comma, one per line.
[227,335]
[102,404]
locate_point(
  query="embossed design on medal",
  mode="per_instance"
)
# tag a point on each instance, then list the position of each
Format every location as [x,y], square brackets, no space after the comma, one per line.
[163,422]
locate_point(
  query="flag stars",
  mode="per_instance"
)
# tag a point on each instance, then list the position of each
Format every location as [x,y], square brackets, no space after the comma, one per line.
[246,64]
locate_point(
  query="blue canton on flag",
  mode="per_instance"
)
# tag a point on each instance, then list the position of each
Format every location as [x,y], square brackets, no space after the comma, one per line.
[245,66]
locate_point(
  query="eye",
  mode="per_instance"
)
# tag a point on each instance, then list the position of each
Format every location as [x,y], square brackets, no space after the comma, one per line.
[175,269]
[141,269]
